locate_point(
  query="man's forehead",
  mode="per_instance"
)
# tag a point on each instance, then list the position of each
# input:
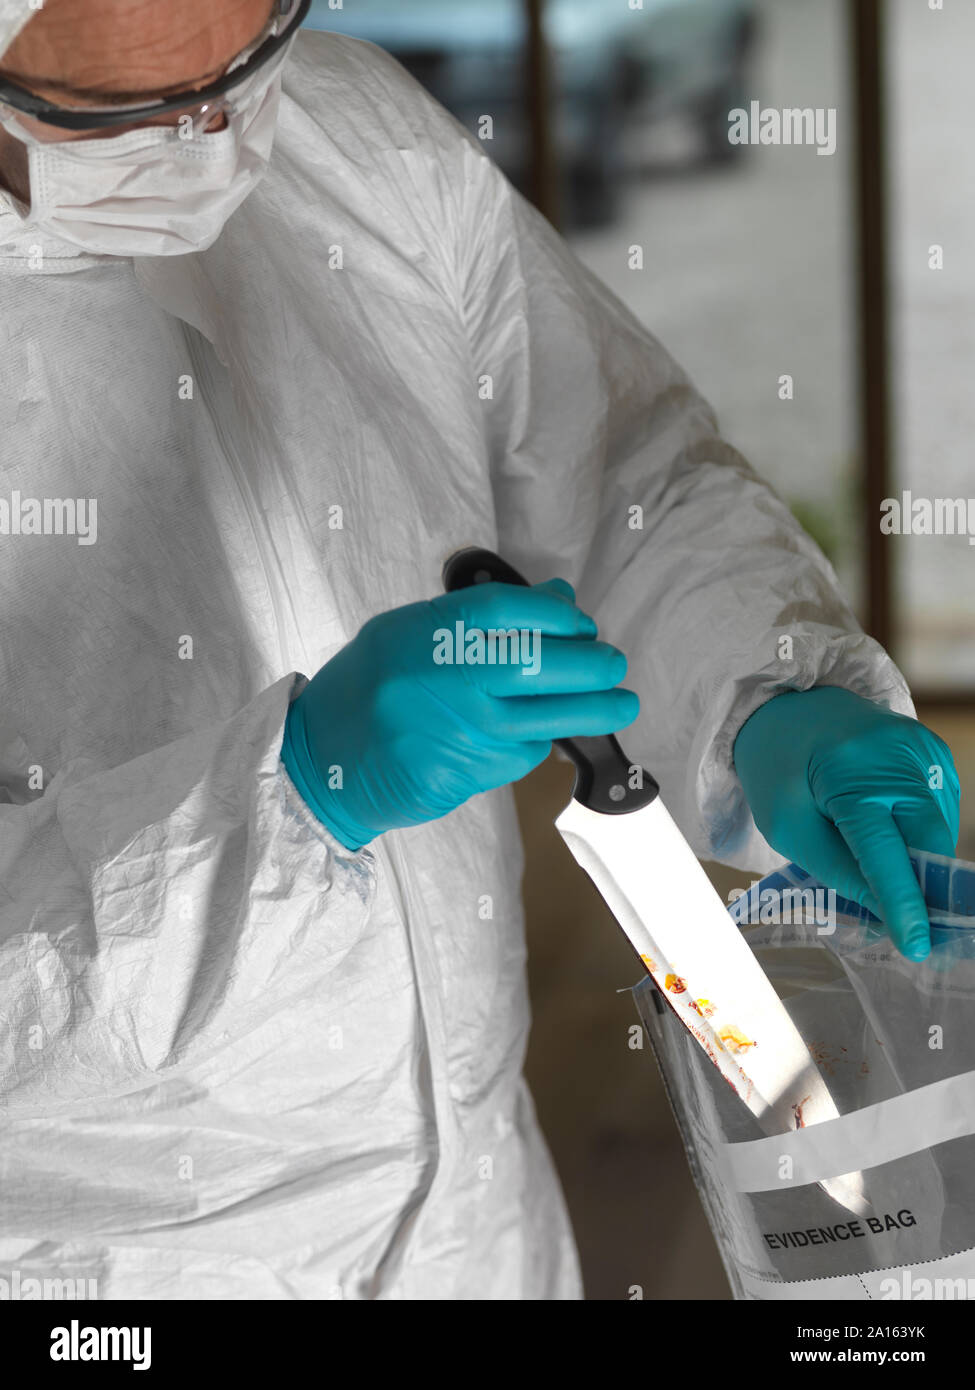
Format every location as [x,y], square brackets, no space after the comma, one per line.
[133,45]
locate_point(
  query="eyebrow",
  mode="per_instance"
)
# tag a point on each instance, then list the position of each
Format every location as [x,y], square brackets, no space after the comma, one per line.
[55,84]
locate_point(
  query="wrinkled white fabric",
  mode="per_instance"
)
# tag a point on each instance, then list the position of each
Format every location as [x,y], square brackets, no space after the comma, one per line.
[239,1061]
[14,14]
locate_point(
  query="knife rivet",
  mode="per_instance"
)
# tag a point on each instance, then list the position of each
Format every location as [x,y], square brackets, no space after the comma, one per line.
[617,793]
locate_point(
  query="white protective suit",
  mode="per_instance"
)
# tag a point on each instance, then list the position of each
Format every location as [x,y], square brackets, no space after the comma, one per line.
[238,1061]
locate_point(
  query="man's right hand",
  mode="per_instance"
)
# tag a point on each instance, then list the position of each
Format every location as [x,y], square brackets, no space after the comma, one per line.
[399,728]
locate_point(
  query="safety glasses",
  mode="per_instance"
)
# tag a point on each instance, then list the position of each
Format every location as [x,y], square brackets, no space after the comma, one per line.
[248,75]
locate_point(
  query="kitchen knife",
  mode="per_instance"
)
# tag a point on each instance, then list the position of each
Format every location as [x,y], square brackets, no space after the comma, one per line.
[620,832]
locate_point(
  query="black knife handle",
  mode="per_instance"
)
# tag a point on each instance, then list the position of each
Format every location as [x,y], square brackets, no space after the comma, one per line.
[603,771]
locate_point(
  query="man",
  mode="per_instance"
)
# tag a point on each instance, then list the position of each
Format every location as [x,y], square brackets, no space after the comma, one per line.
[263,997]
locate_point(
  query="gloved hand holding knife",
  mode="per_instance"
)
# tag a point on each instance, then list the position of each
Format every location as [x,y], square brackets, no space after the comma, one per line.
[388,735]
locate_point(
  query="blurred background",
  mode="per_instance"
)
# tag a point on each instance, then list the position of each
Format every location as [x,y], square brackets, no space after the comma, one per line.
[854,274]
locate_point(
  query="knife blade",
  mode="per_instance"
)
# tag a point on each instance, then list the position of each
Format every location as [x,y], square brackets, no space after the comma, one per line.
[620,832]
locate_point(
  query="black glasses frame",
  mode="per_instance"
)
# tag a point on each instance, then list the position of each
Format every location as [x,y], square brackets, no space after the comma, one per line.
[20,99]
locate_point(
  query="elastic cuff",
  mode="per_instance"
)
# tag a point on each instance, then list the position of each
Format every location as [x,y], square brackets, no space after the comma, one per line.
[296,756]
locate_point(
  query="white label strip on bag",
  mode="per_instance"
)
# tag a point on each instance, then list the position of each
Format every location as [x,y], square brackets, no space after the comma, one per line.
[866,1138]
[952,1277]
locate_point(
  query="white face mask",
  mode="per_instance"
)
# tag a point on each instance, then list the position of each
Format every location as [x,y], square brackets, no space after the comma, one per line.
[148,192]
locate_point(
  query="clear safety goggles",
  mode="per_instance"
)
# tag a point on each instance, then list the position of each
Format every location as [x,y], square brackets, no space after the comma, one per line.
[246,77]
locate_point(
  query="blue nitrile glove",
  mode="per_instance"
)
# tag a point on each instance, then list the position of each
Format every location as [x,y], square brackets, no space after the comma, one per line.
[842,786]
[392,732]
